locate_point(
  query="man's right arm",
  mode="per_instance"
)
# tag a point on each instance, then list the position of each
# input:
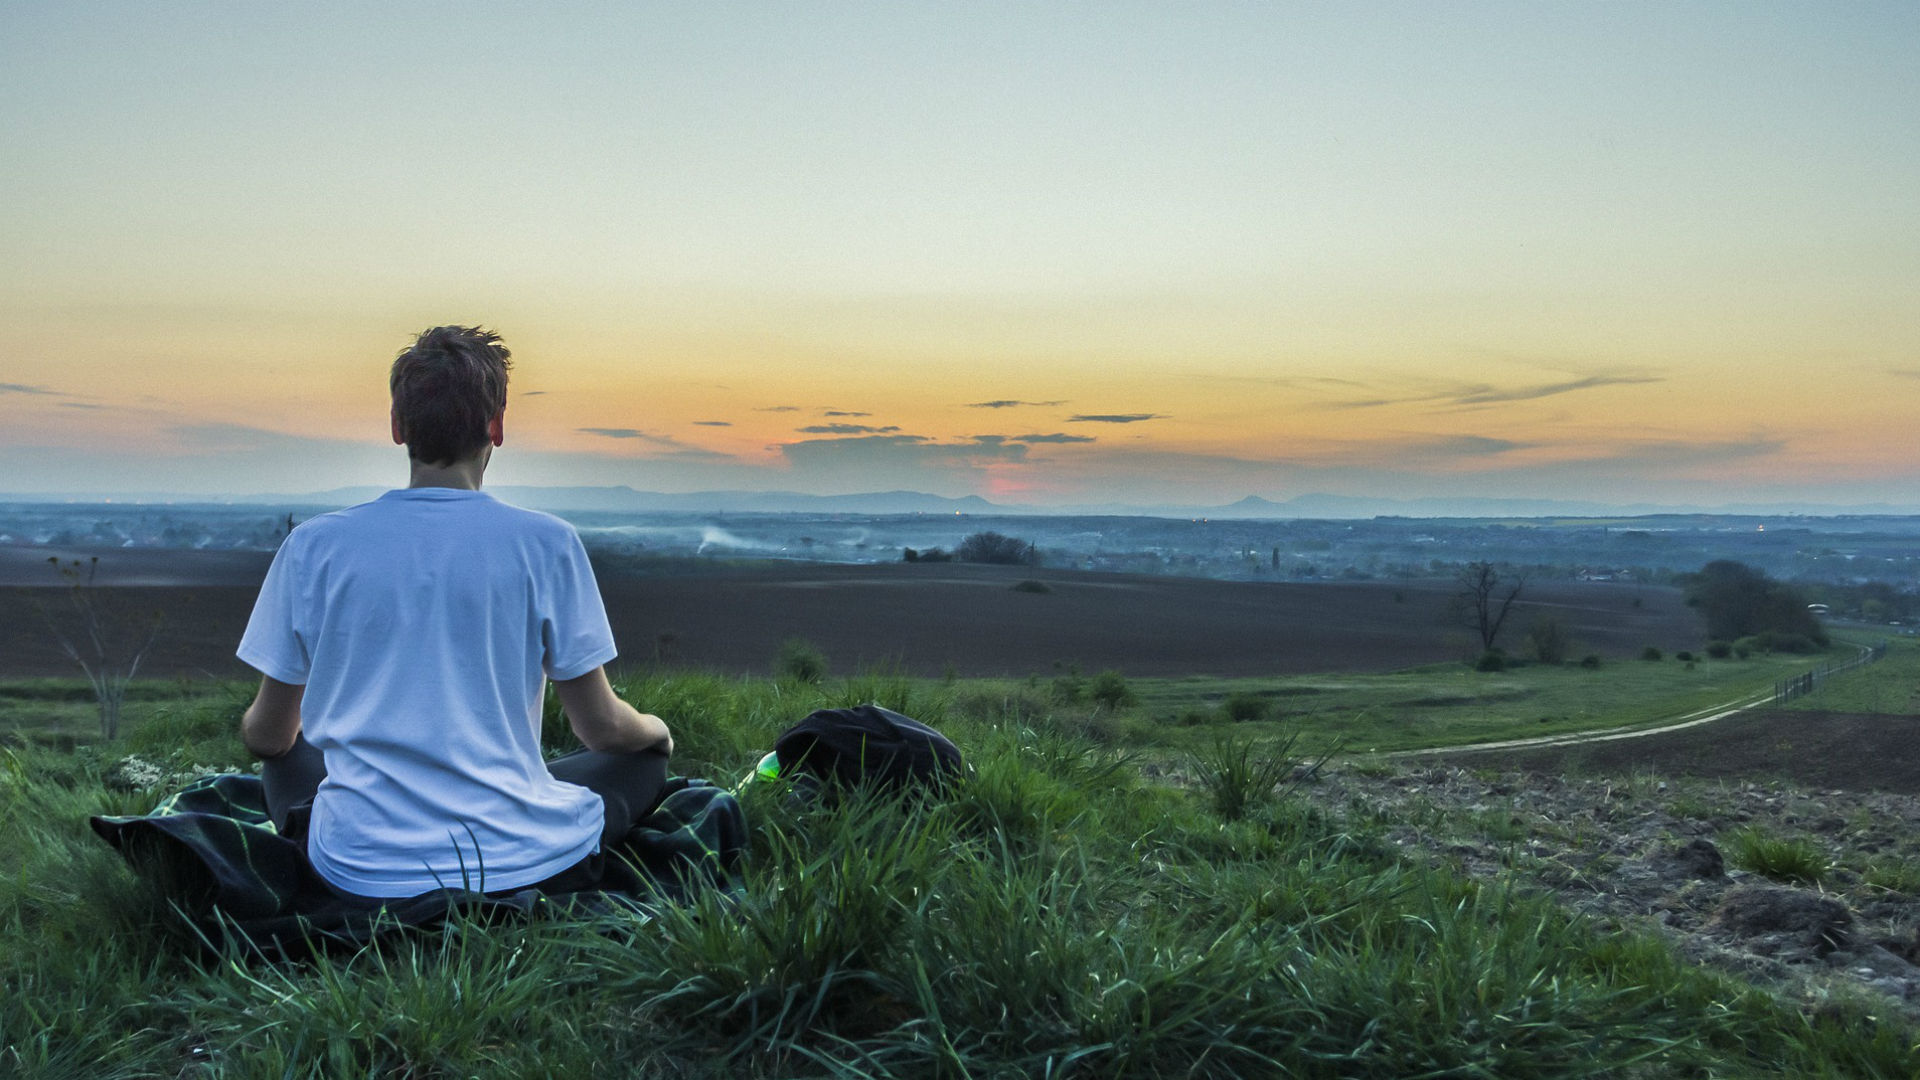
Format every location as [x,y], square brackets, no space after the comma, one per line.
[601,721]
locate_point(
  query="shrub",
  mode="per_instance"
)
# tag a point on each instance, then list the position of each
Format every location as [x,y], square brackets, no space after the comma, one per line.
[991,547]
[1719,650]
[1028,585]
[1778,642]
[1651,652]
[1791,643]
[1491,660]
[1110,688]
[1549,641]
[1590,662]
[1243,706]
[801,661]
[1684,656]
[929,555]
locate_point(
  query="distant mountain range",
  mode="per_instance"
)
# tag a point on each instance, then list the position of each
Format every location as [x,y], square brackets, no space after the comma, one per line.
[623,499]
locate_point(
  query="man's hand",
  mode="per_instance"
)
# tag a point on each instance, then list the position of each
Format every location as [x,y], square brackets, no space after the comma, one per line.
[601,721]
[272,723]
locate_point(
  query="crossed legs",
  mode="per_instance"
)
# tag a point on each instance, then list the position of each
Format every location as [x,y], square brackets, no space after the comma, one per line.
[630,783]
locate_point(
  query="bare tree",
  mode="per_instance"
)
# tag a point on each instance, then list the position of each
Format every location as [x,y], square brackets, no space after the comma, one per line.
[107,644]
[1486,597]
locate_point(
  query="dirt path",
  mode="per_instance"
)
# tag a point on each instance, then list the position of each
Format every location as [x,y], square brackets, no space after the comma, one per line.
[1697,718]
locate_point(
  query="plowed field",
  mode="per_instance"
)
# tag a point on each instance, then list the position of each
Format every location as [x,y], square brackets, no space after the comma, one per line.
[926,619]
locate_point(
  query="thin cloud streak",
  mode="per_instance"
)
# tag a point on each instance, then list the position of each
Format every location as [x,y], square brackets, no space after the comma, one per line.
[1055,437]
[1114,418]
[1530,393]
[996,440]
[667,442]
[1472,395]
[847,429]
[1008,403]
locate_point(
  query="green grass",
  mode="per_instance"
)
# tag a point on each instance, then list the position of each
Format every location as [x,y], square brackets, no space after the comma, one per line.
[1889,685]
[1783,858]
[1894,875]
[1451,704]
[1058,916]
[62,711]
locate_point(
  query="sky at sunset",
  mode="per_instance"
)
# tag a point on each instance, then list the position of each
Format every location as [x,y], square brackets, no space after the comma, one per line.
[1046,253]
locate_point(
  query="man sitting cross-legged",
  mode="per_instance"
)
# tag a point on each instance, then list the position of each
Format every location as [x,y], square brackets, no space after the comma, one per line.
[405,645]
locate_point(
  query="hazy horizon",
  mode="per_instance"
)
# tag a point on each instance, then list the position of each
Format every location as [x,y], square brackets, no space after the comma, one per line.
[1049,255]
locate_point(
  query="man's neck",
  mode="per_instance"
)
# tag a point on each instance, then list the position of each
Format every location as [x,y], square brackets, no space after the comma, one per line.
[464,474]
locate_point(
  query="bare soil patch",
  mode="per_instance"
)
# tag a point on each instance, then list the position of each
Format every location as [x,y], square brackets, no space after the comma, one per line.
[970,619]
[1844,751]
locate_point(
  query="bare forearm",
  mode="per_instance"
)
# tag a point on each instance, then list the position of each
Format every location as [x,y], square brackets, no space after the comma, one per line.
[625,728]
[271,724]
[602,721]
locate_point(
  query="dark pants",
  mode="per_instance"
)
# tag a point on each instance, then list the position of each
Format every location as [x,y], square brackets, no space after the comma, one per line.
[629,783]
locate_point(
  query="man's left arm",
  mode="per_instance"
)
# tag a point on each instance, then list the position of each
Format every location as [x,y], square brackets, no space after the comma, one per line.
[271,724]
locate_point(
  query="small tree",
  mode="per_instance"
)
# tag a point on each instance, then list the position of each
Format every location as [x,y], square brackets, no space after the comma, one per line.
[107,644]
[1739,601]
[1486,598]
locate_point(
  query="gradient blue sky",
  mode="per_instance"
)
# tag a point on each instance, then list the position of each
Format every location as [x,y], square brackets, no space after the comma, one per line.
[1047,253]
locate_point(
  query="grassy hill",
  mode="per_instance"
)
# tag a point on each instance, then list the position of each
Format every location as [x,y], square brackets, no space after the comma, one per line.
[1060,915]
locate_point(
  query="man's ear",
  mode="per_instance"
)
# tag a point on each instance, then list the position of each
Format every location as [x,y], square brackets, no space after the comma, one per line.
[496,427]
[398,438]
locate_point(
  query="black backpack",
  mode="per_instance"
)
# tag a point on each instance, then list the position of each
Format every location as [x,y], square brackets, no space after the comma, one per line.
[867,744]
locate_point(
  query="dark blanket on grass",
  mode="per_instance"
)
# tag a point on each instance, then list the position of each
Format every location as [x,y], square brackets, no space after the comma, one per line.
[212,850]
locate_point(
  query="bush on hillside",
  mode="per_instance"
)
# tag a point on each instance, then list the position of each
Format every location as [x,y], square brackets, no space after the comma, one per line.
[800,660]
[1110,688]
[1770,641]
[1243,707]
[1548,640]
[991,547]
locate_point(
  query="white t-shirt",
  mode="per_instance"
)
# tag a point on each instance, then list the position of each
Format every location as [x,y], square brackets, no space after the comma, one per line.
[422,624]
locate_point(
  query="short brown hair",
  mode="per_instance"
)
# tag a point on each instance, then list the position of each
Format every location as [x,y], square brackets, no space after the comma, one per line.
[446,386]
